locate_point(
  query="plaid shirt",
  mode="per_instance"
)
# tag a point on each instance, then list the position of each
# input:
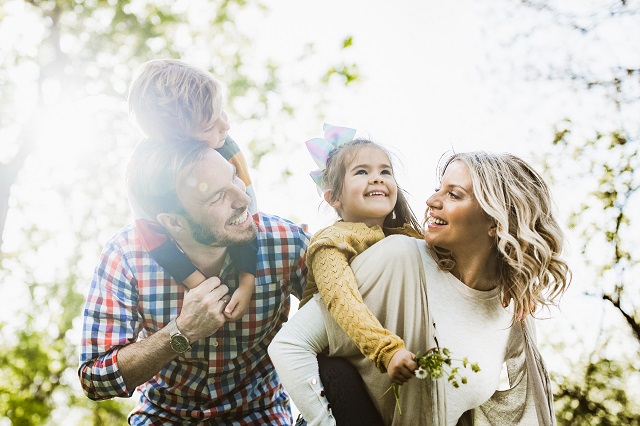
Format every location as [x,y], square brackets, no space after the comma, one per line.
[226,378]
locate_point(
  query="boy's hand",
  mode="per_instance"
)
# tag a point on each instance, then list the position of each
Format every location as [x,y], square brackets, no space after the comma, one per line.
[240,299]
[401,367]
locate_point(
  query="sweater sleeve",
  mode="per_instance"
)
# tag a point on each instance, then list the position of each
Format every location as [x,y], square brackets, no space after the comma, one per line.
[338,288]
[111,320]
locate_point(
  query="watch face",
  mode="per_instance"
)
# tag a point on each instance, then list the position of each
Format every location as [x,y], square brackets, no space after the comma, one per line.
[179,343]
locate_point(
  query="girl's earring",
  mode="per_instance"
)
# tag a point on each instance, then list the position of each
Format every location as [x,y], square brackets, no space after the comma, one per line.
[393,215]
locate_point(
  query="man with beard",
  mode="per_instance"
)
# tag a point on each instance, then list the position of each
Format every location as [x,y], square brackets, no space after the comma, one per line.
[143,330]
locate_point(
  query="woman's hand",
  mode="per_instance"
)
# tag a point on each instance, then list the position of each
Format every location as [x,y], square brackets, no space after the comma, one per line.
[402,366]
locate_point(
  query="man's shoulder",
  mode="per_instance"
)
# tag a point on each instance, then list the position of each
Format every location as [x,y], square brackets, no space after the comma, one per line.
[126,240]
[280,237]
[273,225]
[282,248]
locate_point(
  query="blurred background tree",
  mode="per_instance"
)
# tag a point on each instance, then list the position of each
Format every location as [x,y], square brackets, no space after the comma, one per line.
[64,70]
[592,49]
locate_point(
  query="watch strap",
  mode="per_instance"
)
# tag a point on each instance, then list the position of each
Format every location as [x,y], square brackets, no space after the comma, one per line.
[179,342]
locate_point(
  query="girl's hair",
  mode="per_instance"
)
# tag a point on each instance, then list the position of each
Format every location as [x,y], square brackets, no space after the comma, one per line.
[528,238]
[170,99]
[333,181]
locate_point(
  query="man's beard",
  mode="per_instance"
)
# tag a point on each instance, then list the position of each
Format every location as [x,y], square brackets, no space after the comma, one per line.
[204,235]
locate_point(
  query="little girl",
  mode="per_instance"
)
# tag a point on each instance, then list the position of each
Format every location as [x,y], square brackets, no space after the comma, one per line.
[358,182]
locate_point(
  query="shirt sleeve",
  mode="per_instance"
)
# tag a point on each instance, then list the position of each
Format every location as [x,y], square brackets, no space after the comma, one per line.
[111,320]
[338,288]
[298,276]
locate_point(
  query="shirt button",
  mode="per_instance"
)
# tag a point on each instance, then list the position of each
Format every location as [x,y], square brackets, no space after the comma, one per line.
[314,381]
[215,343]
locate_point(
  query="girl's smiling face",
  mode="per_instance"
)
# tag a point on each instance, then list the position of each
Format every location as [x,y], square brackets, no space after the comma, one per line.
[369,191]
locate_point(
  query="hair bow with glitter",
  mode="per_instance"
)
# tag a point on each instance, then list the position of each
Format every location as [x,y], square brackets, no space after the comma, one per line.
[320,148]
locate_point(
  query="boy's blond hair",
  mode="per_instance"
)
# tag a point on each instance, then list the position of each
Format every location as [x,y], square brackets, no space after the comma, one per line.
[169,99]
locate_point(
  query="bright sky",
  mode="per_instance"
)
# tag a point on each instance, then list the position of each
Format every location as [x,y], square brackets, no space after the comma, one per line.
[426,87]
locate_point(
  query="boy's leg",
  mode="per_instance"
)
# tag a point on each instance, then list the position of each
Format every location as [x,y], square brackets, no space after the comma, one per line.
[245,259]
[167,254]
[245,256]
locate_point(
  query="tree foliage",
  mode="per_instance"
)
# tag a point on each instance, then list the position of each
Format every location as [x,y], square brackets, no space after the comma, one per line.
[600,398]
[595,159]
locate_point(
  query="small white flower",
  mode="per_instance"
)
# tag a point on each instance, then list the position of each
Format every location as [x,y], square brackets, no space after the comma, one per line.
[421,373]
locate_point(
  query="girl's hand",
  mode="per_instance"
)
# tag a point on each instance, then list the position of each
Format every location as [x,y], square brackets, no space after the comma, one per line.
[402,366]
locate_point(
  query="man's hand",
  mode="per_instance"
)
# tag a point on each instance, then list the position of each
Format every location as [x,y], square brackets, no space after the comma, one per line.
[201,316]
[401,367]
[202,310]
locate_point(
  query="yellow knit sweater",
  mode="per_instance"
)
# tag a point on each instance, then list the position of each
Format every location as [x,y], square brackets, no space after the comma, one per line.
[329,254]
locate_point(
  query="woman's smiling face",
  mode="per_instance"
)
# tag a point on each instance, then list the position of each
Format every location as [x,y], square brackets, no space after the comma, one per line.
[454,219]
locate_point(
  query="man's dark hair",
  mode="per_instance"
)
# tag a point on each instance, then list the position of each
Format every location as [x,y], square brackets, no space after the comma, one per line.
[155,169]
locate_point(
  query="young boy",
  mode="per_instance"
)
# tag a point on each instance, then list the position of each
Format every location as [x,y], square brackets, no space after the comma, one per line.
[170,100]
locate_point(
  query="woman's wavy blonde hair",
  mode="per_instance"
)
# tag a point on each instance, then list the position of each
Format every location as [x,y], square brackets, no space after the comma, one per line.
[528,239]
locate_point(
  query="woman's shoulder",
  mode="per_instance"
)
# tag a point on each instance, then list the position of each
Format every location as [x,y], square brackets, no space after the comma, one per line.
[393,248]
[403,242]
[399,241]
[396,257]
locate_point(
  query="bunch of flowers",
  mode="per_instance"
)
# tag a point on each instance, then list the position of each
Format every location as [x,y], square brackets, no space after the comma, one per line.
[437,362]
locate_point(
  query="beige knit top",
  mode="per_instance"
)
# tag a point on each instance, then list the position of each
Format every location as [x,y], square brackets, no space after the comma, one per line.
[329,255]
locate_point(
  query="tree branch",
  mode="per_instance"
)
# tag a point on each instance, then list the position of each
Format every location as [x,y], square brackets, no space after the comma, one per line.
[635,326]
[8,175]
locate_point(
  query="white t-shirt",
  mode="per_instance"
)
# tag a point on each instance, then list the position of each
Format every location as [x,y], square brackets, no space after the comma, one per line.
[471,324]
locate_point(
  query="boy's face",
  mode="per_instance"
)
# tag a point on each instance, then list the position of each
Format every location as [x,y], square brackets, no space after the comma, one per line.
[215,131]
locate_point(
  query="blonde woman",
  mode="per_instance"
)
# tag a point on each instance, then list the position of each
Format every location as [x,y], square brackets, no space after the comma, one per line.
[490,260]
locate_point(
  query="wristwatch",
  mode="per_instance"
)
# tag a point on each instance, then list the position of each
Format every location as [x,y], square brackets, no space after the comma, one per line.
[179,342]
